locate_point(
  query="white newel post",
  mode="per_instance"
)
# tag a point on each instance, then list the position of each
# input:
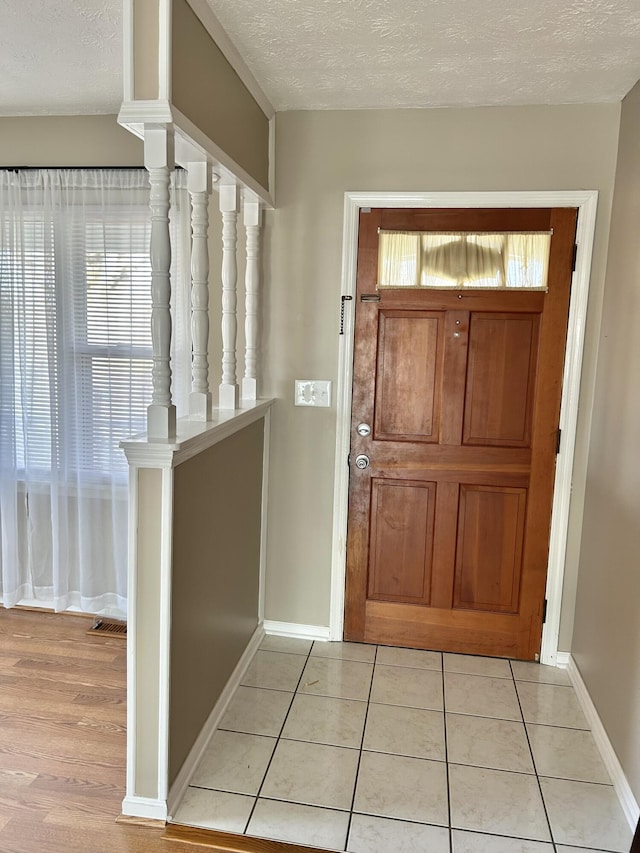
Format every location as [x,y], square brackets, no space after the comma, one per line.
[158,159]
[252,278]
[199,183]
[229,206]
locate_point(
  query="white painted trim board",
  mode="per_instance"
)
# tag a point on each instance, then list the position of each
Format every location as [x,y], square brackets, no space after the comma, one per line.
[136,116]
[586,202]
[621,785]
[132,643]
[192,437]
[563,485]
[144,807]
[300,632]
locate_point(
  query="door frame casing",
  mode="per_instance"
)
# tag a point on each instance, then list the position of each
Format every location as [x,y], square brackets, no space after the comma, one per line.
[586,203]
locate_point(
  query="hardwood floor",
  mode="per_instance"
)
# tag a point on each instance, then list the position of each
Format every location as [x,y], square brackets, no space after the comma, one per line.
[63,740]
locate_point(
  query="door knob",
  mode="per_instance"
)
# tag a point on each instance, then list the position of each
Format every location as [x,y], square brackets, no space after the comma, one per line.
[362,461]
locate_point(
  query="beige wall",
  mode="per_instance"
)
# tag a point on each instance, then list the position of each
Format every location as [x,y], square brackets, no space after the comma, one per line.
[209,92]
[606,642]
[320,155]
[216,561]
[146,29]
[67,141]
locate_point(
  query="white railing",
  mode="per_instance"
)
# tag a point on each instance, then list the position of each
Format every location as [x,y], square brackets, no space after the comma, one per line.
[252,222]
[158,159]
[199,185]
[233,200]
[229,208]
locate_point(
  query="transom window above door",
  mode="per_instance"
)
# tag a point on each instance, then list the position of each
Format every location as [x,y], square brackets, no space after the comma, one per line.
[461,259]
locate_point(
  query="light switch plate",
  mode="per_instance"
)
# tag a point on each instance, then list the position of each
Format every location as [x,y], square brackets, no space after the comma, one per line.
[312,392]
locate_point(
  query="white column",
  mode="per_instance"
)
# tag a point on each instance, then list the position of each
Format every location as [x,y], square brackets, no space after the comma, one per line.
[229,206]
[251,281]
[158,159]
[199,183]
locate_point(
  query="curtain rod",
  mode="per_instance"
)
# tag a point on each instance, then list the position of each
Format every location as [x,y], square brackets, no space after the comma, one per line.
[77,168]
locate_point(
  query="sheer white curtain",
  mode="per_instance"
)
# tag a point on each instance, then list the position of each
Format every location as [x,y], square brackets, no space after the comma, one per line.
[75,379]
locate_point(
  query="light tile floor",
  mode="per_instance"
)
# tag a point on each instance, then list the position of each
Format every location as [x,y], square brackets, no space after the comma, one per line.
[371,749]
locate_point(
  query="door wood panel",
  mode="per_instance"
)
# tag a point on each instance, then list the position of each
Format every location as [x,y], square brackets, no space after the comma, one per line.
[402,520]
[409,361]
[489,548]
[503,351]
[448,530]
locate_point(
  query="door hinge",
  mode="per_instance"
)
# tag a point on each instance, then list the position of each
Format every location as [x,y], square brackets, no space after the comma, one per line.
[558,440]
[544,612]
[370,297]
[574,260]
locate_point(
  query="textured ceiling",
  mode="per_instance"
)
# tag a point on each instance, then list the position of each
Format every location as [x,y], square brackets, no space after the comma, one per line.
[337,54]
[65,56]
[60,56]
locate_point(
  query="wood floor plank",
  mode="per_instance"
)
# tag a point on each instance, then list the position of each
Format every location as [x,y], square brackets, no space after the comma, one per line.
[7,661]
[21,762]
[71,713]
[72,672]
[63,745]
[66,730]
[37,630]
[62,738]
[16,777]
[15,682]
[99,752]
[83,651]
[81,837]
[95,722]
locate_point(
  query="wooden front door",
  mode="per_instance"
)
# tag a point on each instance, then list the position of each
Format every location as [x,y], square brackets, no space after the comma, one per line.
[448,531]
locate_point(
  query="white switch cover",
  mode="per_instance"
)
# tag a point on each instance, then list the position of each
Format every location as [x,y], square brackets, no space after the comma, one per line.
[313,392]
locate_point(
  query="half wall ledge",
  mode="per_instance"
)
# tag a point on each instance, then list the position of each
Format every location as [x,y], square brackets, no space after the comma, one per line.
[197,535]
[192,437]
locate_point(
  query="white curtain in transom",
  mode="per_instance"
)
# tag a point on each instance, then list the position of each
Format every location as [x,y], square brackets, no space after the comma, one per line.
[461,259]
[75,379]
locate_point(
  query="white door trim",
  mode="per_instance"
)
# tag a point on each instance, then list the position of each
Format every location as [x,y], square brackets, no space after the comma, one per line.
[586,202]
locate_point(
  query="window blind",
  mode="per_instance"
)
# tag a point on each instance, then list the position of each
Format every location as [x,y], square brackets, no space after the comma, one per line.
[75,375]
[75,322]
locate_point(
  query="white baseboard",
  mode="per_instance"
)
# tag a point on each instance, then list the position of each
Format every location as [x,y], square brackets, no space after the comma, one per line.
[614,768]
[145,807]
[293,629]
[181,782]
[562,659]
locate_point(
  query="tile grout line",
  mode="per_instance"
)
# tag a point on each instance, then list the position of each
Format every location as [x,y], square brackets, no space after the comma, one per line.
[533,760]
[278,738]
[308,656]
[364,728]
[417,823]
[446,753]
[368,701]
